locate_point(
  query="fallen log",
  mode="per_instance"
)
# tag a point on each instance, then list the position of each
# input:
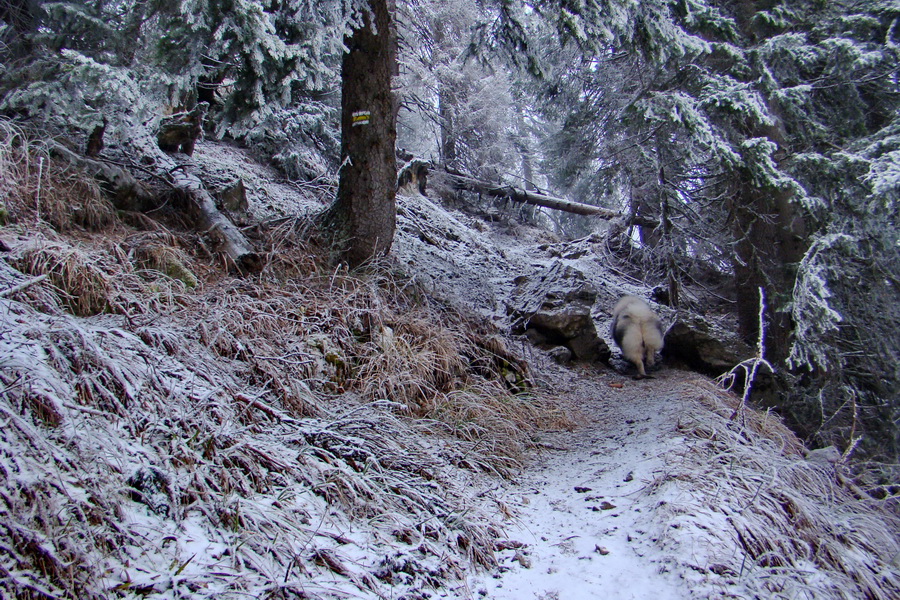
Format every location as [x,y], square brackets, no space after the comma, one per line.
[126,192]
[226,237]
[460,181]
[130,194]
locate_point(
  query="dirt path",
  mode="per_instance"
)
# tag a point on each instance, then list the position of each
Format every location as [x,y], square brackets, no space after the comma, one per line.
[583,505]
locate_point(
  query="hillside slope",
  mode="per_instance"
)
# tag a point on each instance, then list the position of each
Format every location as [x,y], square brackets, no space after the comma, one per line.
[174,432]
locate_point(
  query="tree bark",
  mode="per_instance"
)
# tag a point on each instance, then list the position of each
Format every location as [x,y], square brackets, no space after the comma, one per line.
[668,244]
[770,233]
[771,240]
[447,118]
[364,214]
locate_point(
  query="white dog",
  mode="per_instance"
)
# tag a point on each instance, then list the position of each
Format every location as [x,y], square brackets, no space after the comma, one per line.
[638,332]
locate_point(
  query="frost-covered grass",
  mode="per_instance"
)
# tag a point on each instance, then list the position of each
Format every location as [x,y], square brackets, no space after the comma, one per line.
[169,431]
[747,514]
[269,436]
[673,490]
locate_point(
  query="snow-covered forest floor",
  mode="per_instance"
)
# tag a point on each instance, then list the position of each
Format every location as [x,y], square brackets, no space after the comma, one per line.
[315,434]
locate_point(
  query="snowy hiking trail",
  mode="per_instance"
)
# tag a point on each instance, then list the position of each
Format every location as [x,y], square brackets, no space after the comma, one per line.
[582,505]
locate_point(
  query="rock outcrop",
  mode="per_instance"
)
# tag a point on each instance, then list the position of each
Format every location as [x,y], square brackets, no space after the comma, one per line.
[694,342]
[553,308]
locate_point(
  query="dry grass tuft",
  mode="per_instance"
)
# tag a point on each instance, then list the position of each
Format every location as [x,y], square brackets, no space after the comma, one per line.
[81,283]
[292,249]
[158,251]
[38,189]
[70,199]
[795,529]
[92,279]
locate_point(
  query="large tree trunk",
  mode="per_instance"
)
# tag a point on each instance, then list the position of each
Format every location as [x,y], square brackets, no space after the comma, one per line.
[364,214]
[446,88]
[447,121]
[770,234]
[771,241]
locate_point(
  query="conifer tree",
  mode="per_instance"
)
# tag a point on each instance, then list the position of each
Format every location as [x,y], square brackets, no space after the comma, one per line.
[364,214]
[125,62]
[768,132]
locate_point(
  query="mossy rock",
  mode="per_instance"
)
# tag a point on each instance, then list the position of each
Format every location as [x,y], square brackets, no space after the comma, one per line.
[176,270]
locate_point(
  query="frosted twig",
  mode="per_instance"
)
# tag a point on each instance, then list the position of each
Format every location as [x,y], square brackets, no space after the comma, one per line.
[750,366]
[22,286]
[37,201]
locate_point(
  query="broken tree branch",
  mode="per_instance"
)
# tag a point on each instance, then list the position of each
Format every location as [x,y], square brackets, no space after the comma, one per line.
[22,286]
